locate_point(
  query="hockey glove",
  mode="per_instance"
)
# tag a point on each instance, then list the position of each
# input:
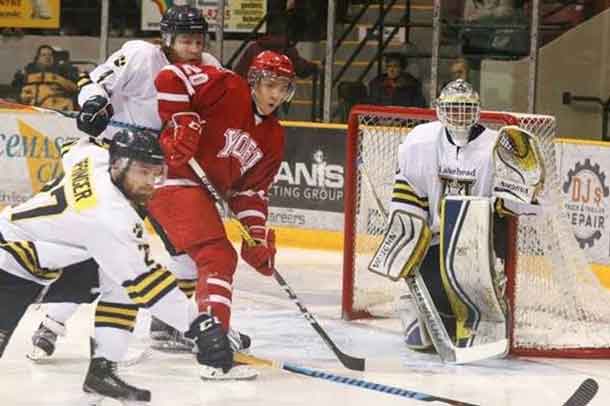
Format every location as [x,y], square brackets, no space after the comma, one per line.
[214,348]
[180,140]
[94,116]
[262,255]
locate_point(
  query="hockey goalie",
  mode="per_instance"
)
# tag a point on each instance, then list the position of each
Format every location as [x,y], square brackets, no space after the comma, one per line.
[455,185]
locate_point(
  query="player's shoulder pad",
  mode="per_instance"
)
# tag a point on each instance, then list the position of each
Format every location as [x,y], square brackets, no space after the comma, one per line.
[210,60]
[140,48]
[426,133]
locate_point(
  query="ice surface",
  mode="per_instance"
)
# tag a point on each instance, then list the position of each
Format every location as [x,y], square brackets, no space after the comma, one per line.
[279,331]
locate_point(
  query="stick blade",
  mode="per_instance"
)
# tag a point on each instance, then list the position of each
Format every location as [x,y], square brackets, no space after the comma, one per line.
[353,363]
[583,395]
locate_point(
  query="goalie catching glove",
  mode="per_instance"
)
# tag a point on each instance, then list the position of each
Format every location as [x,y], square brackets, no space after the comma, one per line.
[180,140]
[519,169]
[260,256]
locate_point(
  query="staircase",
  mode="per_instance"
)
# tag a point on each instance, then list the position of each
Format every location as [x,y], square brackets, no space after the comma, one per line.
[419,32]
[415,41]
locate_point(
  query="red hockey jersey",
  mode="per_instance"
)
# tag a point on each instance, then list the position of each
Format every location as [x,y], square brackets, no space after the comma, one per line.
[239,152]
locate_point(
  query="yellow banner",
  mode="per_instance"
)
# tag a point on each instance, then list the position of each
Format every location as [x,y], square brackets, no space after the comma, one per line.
[30,13]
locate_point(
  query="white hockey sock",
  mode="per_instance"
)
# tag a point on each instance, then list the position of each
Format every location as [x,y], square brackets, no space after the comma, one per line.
[111,343]
[61,312]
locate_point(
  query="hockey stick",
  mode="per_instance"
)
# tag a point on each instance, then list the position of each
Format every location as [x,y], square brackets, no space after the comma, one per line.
[347,360]
[584,393]
[359,383]
[71,114]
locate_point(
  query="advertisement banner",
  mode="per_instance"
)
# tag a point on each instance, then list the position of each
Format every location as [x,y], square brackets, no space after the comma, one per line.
[30,13]
[586,192]
[240,15]
[308,191]
[29,152]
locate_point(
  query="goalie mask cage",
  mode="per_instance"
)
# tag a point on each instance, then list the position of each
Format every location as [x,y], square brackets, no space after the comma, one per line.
[559,308]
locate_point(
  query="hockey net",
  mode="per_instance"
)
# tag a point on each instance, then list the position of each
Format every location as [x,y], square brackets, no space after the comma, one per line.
[559,307]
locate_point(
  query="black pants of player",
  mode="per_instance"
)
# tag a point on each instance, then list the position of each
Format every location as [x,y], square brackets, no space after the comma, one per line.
[76,285]
[16,294]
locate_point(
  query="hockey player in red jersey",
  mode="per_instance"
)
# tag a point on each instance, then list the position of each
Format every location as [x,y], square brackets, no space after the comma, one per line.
[228,126]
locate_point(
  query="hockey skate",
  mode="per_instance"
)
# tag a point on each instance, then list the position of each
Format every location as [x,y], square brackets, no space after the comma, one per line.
[4,336]
[240,342]
[168,339]
[102,382]
[215,351]
[44,339]
[236,373]
[239,372]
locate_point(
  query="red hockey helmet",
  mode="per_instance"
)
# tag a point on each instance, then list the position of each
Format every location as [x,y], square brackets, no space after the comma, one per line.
[274,65]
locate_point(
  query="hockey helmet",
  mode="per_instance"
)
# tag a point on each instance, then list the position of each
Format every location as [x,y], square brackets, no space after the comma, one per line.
[458,108]
[274,65]
[139,146]
[182,20]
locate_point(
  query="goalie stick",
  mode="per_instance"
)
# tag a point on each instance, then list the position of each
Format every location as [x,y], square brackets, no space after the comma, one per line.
[359,383]
[348,361]
[584,393]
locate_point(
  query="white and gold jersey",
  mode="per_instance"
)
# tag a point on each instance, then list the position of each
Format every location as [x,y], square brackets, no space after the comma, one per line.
[431,167]
[80,216]
[127,80]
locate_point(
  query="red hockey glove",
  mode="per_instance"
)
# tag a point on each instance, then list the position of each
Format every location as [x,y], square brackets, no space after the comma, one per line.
[180,140]
[262,255]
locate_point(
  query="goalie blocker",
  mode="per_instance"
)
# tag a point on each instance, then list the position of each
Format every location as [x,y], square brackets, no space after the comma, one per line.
[471,278]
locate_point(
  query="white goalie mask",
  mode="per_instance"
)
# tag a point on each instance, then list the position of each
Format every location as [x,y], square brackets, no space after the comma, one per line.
[458,108]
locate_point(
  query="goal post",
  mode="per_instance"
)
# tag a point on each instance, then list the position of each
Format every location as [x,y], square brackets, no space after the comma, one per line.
[558,306]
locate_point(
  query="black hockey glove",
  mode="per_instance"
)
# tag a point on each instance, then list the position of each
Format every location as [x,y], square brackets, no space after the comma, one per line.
[94,116]
[212,342]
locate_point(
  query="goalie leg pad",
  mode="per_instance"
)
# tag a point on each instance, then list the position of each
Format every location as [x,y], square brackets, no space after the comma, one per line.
[403,247]
[415,331]
[468,272]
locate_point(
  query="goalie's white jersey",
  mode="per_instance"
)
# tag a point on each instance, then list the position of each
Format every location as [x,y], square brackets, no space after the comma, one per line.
[430,167]
[127,80]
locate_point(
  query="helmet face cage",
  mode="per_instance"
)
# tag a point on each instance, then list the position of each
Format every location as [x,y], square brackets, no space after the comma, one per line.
[458,108]
[182,20]
[269,64]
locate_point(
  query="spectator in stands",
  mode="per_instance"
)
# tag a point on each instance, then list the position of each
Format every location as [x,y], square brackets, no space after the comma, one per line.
[47,83]
[396,87]
[460,69]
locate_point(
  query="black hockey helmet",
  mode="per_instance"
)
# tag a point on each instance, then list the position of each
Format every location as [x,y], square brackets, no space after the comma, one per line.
[182,20]
[140,145]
